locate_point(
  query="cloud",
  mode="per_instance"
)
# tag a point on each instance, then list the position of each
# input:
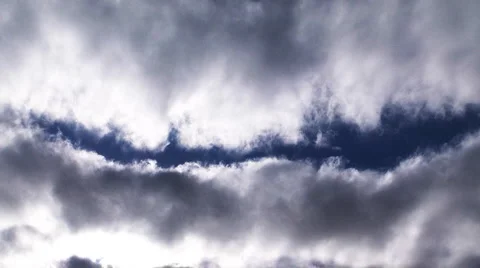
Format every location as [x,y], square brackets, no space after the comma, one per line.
[469,261]
[224,76]
[225,72]
[420,213]
[18,238]
[77,262]
[17,28]
[282,262]
[171,203]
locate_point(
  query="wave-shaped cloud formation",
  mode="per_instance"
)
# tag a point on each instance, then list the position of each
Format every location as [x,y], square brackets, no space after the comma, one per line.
[224,72]
[231,107]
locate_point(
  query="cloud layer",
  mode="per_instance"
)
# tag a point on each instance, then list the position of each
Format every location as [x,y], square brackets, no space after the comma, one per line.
[224,72]
[277,125]
[420,214]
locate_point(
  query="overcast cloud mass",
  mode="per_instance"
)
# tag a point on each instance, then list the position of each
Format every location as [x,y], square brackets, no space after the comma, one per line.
[249,133]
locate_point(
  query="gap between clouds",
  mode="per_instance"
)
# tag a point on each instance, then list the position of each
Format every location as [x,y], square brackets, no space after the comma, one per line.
[399,135]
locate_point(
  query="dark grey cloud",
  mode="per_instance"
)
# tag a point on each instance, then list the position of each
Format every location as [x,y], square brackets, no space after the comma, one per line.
[27,169]
[288,201]
[171,202]
[472,261]
[77,262]
[283,262]
[174,203]
[173,40]
[286,262]
[333,208]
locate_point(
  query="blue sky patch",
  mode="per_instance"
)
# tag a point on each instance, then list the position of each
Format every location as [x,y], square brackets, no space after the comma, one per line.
[398,136]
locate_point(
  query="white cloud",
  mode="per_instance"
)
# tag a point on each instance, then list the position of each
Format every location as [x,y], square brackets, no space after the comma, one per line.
[226,73]
[59,79]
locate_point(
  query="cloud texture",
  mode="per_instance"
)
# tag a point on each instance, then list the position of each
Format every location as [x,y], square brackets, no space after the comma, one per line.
[224,72]
[420,214]
[234,77]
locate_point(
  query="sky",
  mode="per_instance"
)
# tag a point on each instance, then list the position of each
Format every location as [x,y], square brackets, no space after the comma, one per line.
[239,133]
